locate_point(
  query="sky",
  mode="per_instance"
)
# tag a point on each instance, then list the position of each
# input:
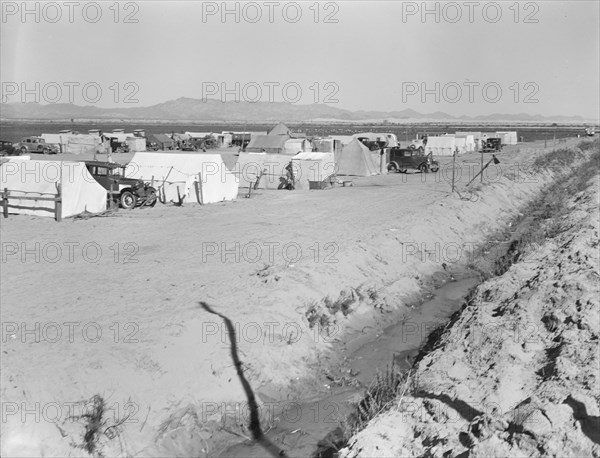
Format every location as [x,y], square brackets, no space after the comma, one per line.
[462,58]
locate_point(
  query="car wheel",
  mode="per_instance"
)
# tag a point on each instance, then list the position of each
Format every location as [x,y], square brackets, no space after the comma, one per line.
[152,197]
[23,150]
[46,151]
[392,167]
[128,200]
[435,167]
[423,168]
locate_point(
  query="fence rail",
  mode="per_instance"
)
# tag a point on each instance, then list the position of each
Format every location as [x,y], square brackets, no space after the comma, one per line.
[5,197]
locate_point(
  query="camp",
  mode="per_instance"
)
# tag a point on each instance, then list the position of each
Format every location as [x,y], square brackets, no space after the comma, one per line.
[26,178]
[440,146]
[196,178]
[355,159]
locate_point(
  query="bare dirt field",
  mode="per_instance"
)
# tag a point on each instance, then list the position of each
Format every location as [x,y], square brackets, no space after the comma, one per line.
[109,306]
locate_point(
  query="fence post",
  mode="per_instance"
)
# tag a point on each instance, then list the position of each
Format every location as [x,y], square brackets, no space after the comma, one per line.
[200,189]
[481,166]
[58,206]
[453,167]
[5,203]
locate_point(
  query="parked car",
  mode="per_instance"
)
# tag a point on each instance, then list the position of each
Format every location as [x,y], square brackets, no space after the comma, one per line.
[8,149]
[492,145]
[118,147]
[36,145]
[127,192]
[402,159]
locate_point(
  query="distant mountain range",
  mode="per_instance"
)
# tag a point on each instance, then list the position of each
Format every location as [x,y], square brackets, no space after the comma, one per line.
[187,109]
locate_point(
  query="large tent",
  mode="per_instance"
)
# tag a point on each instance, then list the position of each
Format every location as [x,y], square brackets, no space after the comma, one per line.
[440,146]
[162,140]
[272,144]
[199,178]
[355,159]
[26,178]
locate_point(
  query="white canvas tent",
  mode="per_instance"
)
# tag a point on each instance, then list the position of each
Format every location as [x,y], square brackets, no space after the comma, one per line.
[508,137]
[440,146]
[469,141]
[197,178]
[312,167]
[296,145]
[136,144]
[26,178]
[343,139]
[355,159]
[250,165]
[83,144]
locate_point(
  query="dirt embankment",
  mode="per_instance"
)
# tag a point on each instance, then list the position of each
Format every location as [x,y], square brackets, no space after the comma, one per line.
[516,372]
[160,361]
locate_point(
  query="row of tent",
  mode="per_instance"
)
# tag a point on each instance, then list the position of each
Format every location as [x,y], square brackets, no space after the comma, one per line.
[191,178]
[465,142]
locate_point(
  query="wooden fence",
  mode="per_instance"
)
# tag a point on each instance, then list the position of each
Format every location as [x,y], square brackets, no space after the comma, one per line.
[6,196]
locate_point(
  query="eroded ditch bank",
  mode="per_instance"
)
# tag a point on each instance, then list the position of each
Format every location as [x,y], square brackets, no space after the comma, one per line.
[319,425]
[515,372]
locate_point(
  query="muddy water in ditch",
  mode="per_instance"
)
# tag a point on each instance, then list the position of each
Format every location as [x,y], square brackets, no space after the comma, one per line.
[302,424]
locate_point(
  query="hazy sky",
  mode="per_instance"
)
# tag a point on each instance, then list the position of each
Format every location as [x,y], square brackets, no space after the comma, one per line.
[486,57]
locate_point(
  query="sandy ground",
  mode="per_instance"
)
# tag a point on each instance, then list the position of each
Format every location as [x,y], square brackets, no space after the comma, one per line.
[109,305]
[517,372]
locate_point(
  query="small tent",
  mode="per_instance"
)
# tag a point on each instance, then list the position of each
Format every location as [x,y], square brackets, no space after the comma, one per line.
[440,146]
[355,159]
[136,144]
[271,168]
[508,137]
[26,178]
[199,178]
[310,166]
[297,145]
[280,129]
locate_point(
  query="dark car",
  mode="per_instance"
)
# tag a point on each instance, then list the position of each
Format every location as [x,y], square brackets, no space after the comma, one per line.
[127,192]
[402,159]
[492,145]
[8,149]
[118,147]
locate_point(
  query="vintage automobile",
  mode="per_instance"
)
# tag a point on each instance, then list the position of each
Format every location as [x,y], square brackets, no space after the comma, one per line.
[492,145]
[127,192]
[118,147]
[402,159]
[36,145]
[8,149]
